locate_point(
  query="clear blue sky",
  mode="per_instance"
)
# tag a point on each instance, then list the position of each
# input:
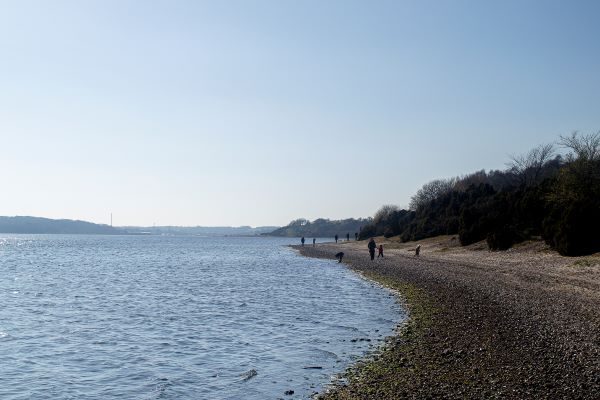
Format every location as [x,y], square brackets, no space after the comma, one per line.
[260,112]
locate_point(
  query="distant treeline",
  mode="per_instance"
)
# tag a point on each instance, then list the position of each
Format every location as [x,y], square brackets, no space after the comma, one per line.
[45,225]
[322,228]
[541,193]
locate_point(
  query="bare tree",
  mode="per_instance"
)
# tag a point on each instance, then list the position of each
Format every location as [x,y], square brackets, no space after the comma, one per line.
[299,222]
[528,167]
[430,191]
[585,147]
[384,212]
[475,178]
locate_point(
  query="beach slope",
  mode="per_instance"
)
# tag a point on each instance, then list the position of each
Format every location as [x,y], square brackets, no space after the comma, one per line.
[523,323]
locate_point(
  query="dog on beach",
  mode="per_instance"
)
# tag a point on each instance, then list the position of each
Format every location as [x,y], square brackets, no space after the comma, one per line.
[339,256]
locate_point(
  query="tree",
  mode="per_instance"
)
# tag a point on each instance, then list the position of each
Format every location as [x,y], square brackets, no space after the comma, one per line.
[528,167]
[431,191]
[299,222]
[384,213]
[585,147]
[476,178]
[574,201]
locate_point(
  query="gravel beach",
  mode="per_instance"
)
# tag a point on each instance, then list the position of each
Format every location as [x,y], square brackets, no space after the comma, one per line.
[523,323]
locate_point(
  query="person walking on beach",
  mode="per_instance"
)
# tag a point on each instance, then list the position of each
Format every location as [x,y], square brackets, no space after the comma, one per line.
[372,246]
[417,250]
[348,237]
[336,237]
[380,251]
[355,235]
[314,241]
[302,240]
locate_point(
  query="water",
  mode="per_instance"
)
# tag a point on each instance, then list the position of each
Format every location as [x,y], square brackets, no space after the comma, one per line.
[147,317]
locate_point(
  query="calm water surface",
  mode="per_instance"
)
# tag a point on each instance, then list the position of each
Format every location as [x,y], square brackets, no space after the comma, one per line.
[148,317]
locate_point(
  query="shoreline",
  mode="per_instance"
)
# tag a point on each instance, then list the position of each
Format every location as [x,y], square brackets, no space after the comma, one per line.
[523,323]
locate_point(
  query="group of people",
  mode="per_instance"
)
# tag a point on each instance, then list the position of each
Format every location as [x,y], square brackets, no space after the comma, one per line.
[372,247]
[336,237]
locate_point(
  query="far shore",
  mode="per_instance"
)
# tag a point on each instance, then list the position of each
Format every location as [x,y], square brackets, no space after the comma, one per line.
[522,323]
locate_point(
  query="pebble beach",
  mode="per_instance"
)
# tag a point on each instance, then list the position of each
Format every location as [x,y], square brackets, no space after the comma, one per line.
[522,323]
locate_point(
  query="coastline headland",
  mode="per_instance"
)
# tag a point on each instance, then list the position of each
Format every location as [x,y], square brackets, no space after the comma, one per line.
[523,323]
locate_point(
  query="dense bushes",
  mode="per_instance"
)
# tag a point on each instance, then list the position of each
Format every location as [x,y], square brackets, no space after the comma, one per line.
[573,221]
[573,231]
[557,198]
[502,237]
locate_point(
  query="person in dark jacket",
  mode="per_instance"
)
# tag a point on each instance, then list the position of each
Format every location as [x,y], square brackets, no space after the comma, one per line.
[372,246]
[380,251]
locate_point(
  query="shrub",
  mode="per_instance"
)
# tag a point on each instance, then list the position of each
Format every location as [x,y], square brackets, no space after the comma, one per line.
[474,222]
[573,220]
[502,238]
[574,230]
[388,232]
[367,231]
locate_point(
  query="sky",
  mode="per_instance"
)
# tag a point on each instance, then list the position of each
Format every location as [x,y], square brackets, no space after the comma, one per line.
[229,113]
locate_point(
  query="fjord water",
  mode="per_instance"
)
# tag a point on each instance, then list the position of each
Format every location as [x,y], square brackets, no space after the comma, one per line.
[148,317]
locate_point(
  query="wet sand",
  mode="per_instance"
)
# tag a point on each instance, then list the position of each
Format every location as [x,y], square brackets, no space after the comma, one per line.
[523,323]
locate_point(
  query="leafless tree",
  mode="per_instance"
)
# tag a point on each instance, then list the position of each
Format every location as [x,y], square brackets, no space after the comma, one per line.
[585,147]
[430,191]
[384,212]
[475,178]
[528,167]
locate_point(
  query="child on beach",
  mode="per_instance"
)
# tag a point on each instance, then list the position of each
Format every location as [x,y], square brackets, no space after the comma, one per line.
[380,251]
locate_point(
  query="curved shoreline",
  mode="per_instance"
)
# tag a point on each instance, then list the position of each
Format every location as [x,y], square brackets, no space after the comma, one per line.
[521,324]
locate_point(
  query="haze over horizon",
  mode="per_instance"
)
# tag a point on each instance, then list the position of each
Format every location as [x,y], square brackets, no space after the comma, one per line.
[257,113]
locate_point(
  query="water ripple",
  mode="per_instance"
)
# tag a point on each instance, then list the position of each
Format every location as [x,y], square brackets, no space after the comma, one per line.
[178,318]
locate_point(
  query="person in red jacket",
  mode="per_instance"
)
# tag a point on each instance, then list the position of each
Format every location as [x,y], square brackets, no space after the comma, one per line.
[380,251]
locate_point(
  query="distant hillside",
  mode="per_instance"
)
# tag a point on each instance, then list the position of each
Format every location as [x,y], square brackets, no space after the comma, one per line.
[46,225]
[67,226]
[321,228]
[200,230]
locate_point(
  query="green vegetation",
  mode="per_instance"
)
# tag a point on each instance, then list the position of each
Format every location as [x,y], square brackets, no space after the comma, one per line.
[542,194]
[322,228]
